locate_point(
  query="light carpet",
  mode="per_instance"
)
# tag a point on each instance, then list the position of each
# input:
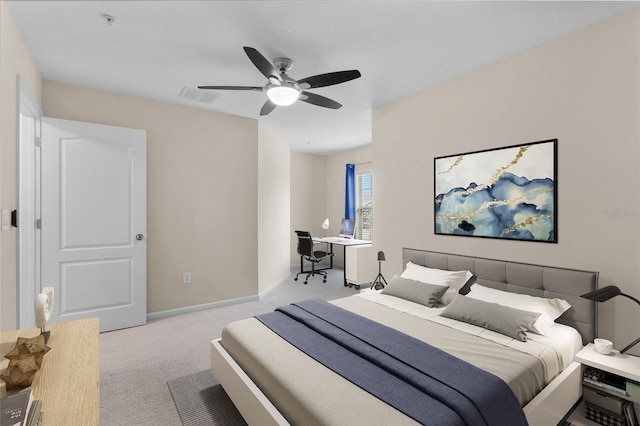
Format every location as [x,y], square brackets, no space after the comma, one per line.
[200,401]
[137,362]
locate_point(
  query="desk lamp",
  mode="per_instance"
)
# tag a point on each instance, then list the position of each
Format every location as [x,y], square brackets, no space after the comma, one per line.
[609,292]
[325,224]
[379,282]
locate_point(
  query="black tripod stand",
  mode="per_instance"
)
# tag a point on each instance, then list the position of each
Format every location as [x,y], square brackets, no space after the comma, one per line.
[379,282]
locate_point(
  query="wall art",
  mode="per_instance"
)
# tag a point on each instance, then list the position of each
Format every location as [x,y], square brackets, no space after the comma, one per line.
[504,193]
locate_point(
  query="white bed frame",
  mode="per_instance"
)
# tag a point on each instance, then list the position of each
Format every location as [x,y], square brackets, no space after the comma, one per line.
[254,406]
[549,407]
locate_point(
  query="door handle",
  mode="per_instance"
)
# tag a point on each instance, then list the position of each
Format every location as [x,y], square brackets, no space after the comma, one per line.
[139,237]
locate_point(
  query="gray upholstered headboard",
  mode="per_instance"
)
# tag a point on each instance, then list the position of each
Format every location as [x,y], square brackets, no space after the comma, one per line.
[535,280]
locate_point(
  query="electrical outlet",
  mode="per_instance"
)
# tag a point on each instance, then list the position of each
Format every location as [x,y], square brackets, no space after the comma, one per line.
[186,277]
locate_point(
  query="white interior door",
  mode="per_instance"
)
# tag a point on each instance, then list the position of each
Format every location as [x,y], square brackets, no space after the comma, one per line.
[94,222]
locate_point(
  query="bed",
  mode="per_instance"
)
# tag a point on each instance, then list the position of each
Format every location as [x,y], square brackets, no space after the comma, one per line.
[272,382]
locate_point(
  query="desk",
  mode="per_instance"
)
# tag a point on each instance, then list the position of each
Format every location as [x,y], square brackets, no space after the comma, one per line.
[68,380]
[344,242]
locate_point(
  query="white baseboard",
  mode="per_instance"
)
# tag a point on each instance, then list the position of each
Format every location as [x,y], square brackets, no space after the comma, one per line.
[274,285]
[194,308]
[204,306]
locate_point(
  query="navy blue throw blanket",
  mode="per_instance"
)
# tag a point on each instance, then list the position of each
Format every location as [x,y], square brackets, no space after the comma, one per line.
[423,382]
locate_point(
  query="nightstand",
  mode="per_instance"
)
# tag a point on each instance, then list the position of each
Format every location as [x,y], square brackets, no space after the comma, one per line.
[625,366]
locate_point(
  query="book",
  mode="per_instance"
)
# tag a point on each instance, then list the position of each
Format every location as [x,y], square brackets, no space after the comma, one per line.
[605,380]
[605,386]
[34,413]
[630,414]
[14,409]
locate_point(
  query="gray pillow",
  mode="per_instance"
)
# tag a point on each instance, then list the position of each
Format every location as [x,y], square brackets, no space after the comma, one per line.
[503,319]
[415,291]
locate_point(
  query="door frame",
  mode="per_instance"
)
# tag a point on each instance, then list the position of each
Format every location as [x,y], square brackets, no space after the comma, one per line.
[28,280]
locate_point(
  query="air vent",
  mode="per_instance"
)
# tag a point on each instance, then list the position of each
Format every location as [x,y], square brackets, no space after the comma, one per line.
[196,95]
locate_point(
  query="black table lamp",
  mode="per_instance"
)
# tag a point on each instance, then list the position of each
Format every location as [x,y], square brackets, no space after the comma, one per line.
[379,282]
[609,292]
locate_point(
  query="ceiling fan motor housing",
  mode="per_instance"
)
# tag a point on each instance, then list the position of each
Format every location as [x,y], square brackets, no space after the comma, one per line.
[283,64]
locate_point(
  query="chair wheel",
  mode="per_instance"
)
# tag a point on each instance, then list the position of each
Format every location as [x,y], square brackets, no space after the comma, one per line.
[324,281]
[305,283]
[357,287]
[295,279]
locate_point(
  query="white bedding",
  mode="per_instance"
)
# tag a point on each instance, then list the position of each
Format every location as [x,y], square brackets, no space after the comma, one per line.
[556,350]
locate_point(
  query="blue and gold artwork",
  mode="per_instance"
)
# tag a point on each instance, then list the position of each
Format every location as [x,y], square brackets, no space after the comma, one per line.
[505,193]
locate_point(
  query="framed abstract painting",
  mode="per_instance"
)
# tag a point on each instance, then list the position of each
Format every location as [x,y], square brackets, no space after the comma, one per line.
[505,193]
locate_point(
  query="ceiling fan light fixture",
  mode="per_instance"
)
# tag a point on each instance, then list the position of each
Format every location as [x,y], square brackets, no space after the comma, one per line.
[283,90]
[283,95]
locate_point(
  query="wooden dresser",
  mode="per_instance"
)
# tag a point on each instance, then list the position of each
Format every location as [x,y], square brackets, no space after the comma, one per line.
[68,381]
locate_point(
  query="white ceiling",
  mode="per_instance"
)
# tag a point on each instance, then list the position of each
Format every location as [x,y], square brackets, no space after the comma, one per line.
[156,48]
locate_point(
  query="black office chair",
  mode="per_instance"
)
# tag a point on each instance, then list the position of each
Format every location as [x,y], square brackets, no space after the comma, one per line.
[306,251]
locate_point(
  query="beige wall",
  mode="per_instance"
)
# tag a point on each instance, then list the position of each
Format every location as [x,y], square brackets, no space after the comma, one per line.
[583,89]
[14,60]
[202,192]
[308,197]
[274,206]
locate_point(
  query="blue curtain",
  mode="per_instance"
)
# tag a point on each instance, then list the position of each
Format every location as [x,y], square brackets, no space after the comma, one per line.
[350,193]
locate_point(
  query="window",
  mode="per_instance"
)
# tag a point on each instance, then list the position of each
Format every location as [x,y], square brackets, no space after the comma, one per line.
[364,205]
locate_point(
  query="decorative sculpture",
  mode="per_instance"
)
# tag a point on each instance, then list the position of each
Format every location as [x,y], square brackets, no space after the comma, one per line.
[25,360]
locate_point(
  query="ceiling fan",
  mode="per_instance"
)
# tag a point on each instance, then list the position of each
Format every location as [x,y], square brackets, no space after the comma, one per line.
[283,90]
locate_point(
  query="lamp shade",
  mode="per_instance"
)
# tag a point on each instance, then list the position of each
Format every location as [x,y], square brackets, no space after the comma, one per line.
[283,95]
[603,294]
[325,224]
[381,256]
[609,292]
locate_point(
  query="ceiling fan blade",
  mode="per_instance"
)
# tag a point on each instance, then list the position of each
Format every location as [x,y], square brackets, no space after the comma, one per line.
[267,107]
[328,79]
[312,98]
[262,63]
[257,89]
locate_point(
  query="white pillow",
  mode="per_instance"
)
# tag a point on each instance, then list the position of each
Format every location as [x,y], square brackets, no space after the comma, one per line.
[454,279]
[549,309]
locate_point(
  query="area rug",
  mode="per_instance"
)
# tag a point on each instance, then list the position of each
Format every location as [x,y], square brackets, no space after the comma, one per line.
[201,401]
